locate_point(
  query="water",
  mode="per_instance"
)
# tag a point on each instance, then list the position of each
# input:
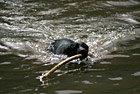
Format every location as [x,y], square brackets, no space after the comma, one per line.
[110,28]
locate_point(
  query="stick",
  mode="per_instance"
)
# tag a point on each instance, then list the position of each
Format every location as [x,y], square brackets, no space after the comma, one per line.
[61,63]
[90,54]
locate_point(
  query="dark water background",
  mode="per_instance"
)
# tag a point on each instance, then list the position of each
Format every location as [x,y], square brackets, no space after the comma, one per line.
[110,28]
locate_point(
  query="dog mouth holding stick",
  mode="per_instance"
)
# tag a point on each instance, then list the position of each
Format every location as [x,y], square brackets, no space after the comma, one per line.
[70,48]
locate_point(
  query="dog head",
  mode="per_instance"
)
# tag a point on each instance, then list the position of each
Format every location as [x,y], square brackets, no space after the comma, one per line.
[83,49]
[78,48]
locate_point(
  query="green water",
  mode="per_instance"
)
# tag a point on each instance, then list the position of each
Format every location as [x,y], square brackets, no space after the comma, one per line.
[110,28]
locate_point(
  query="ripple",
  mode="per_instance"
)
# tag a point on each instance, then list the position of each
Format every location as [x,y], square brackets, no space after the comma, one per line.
[0,78]
[105,62]
[128,18]
[51,11]
[26,90]
[87,82]
[116,78]
[98,76]
[136,54]
[136,73]
[3,48]
[68,91]
[119,55]
[124,3]
[5,63]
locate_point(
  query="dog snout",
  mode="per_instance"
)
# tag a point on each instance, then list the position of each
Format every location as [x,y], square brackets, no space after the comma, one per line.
[84,52]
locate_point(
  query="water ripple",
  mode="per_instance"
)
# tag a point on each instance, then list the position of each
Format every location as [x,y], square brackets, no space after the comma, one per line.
[124,3]
[136,73]
[116,78]
[5,63]
[68,91]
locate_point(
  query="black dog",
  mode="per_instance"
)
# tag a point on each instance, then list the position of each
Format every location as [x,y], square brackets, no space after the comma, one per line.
[69,48]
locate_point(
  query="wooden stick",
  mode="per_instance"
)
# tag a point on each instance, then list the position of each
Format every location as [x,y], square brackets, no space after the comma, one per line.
[90,54]
[61,63]
[64,61]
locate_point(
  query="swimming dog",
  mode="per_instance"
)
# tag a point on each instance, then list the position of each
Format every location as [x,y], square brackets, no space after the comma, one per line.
[69,48]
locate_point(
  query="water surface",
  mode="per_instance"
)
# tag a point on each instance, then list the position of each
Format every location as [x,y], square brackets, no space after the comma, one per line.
[110,28]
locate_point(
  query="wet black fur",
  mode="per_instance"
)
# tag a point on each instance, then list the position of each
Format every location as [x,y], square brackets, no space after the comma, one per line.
[69,47]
